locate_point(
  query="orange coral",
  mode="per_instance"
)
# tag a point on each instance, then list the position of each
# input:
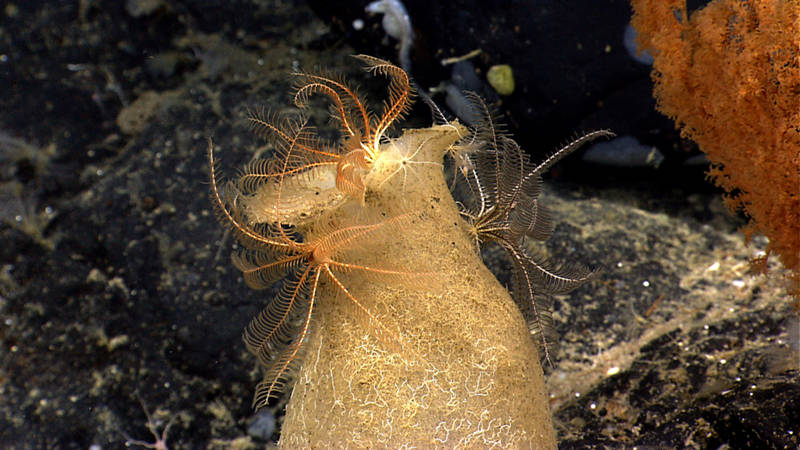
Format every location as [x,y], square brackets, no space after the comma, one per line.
[729,75]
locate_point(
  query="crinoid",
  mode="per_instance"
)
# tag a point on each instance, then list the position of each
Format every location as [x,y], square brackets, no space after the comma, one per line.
[507,187]
[300,150]
[277,251]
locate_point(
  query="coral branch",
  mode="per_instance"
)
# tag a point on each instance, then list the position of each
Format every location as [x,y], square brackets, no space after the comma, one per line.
[729,75]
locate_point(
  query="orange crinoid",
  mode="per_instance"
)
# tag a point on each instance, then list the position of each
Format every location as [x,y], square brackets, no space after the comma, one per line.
[361,130]
[280,211]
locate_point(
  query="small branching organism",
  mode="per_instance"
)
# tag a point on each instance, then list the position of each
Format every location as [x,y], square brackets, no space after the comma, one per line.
[15,150]
[153,424]
[18,207]
[507,188]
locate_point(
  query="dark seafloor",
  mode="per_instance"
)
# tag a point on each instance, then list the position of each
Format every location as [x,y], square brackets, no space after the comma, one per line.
[115,278]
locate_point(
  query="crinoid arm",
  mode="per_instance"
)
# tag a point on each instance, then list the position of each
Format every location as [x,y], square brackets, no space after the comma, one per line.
[484,163]
[298,148]
[348,174]
[262,268]
[277,190]
[275,327]
[534,280]
[488,126]
[340,245]
[396,106]
[347,108]
[537,309]
[226,201]
[277,336]
[530,218]
[568,148]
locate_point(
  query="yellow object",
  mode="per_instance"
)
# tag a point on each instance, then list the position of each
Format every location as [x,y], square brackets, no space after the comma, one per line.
[501,77]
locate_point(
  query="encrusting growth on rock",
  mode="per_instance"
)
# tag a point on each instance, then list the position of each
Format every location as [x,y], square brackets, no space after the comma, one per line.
[405,337]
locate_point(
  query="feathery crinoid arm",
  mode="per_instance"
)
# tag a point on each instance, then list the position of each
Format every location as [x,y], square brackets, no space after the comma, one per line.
[273,329]
[339,246]
[348,108]
[363,232]
[490,129]
[529,218]
[298,150]
[262,268]
[568,148]
[230,211]
[277,335]
[536,307]
[514,167]
[549,277]
[488,158]
[534,280]
[349,178]
[398,103]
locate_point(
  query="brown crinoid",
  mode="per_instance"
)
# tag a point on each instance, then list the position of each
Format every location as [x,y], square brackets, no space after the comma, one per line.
[508,212]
